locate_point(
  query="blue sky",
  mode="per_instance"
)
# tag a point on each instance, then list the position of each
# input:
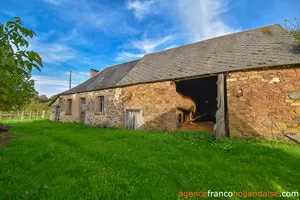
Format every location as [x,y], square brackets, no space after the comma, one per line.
[82,34]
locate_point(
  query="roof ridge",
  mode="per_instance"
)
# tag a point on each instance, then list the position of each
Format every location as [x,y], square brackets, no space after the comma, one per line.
[115,65]
[213,38]
[246,49]
[117,71]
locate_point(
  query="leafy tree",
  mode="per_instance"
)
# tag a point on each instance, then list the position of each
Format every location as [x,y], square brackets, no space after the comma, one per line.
[35,105]
[16,64]
[294,29]
[52,98]
[43,98]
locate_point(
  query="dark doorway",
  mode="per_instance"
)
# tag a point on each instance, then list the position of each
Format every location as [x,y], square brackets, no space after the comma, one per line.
[203,92]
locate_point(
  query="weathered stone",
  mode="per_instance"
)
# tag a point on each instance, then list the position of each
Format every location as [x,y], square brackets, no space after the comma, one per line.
[291,130]
[231,79]
[295,103]
[263,103]
[243,78]
[271,113]
[297,111]
[289,100]
[281,125]
[255,76]
[295,95]
[157,101]
[267,123]
[235,133]
[274,80]
[296,118]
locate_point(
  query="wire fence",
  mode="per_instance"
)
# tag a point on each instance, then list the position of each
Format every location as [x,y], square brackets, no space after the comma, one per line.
[22,115]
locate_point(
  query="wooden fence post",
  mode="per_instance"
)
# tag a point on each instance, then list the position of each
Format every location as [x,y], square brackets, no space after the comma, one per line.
[43,115]
[0,115]
[22,116]
[9,115]
[37,114]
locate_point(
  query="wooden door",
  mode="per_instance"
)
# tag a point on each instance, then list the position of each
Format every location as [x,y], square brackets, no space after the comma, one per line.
[57,113]
[82,110]
[219,128]
[133,118]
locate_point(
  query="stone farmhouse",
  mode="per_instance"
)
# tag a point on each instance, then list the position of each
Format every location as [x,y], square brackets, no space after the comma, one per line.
[245,84]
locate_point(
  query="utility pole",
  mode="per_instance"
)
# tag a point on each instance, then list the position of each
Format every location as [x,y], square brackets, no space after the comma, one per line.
[70,79]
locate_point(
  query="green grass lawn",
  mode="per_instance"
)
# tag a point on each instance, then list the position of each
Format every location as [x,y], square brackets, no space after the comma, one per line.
[49,160]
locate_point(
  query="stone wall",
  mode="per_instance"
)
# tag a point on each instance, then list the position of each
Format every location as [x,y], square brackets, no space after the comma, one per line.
[113,110]
[269,106]
[157,101]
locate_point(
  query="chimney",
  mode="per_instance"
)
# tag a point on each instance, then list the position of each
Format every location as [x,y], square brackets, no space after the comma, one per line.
[93,72]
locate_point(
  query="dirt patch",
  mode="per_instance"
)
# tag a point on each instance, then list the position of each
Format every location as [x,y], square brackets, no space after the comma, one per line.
[207,127]
[4,138]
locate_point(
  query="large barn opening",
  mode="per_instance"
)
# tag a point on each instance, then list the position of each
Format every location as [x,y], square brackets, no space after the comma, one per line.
[203,92]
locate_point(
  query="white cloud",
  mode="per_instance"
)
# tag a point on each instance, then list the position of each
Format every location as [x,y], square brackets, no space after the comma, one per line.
[142,47]
[74,36]
[203,19]
[49,90]
[54,53]
[50,85]
[48,80]
[125,56]
[92,15]
[150,45]
[141,8]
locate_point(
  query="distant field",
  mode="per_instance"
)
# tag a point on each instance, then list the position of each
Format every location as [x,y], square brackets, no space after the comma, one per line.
[49,160]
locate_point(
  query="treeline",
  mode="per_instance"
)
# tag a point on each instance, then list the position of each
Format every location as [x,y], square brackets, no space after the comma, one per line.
[38,104]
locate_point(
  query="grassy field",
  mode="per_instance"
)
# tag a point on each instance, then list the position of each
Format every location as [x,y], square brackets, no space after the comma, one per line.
[48,160]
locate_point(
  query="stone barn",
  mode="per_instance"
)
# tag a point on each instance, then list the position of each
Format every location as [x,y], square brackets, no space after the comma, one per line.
[245,84]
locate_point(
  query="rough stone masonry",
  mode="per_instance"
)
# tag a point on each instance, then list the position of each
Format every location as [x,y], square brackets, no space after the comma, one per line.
[269,106]
[157,101]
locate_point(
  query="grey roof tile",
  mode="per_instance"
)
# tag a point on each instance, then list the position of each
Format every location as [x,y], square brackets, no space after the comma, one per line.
[244,50]
[250,49]
[106,78]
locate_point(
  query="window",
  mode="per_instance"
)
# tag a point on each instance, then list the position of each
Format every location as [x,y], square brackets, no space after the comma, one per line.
[69,106]
[101,104]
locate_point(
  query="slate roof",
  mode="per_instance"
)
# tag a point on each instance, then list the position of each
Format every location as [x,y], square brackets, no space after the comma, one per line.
[260,47]
[256,48]
[106,78]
